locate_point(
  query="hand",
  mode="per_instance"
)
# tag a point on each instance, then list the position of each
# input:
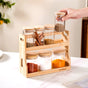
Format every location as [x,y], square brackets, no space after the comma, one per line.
[70,14]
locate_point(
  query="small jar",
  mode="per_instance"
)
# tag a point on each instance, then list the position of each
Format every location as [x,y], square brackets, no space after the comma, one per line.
[29,41]
[45,60]
[58,59]
[49,31]
[59,25]
[39,36]
[33,65]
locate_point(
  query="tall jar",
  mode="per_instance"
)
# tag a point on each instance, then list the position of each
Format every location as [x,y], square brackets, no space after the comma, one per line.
[59,24]
[58,59]
[32,63]
[29,41]
[49,38]
[45,60]
[39,36]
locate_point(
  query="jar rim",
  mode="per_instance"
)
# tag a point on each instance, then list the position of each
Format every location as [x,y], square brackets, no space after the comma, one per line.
[59,51]
[60,13]
[39,28]
[49,27]
[28,30]
[45,54]
[32,55]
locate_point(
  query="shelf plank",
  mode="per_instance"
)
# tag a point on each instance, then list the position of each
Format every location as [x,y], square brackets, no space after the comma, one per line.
[48,46]
[48,71]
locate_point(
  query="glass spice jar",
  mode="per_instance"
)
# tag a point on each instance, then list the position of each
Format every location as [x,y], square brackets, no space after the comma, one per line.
[59,24]
[58,59]
[29,41]
[39,36]
[45,60]
[49,38]
[33,65]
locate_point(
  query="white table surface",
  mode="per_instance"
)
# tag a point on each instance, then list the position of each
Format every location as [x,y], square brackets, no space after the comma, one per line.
[10,76]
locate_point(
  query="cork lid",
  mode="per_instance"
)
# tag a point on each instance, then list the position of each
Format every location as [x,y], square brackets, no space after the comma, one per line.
[59,51]
[49,27]
[39,28]
[28,31]
[45,54]
[60,14]
[32,55]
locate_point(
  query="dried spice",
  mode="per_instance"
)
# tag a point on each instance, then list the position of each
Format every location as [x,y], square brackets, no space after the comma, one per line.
[38,38]
[48,41]
[57,63]
[32,67]
[59,27]
[51,41]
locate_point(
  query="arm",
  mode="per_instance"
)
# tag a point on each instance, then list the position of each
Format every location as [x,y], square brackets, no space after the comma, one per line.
[74,13]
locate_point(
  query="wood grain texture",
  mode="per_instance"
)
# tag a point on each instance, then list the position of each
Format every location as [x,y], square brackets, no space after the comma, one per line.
[23,51]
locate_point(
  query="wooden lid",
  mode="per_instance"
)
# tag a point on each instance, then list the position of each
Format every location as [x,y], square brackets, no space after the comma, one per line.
[49,27]
[45,54]
[39,28]
[59,51]
[28,31]
[60,13]
[32,55]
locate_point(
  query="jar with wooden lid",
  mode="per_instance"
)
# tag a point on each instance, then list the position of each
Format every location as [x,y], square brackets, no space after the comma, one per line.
[58,59]
[45,60]
[33,65]
[59,24]
[29,40]
[39,36]
[49,37]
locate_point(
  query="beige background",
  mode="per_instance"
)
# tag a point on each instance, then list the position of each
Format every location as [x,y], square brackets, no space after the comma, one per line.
[28,13]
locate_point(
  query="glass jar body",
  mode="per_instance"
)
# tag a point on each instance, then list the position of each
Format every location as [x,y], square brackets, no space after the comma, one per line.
[39,37]
[58,60]
[49,38]
[33,65]
[59,24]
[29,40]
[45,63]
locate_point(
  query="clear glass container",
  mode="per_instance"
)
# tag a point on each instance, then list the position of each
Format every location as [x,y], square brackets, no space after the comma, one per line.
[39,36]
[45,60]
[49,38]
[58,59]
[59,24]
[29,41]
[32,63]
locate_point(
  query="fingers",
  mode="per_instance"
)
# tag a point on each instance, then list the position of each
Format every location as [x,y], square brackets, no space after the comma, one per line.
[65,18]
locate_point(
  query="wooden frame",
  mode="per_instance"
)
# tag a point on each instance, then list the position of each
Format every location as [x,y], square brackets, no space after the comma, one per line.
[23,51]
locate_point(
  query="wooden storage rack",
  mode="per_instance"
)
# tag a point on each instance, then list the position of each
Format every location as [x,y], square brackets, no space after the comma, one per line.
[23,51]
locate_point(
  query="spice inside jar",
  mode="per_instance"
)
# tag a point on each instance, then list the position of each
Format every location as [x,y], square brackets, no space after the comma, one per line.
[58,59]
[33,65]
[39,36]
[49,38]
[29,41]
[45,60]
[59,25]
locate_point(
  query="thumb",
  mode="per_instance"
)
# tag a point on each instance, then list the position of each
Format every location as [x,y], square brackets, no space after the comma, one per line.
[65,18]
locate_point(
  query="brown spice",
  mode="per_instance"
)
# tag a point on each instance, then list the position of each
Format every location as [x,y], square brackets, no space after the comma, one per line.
[59,27]
[38,38]
[32,67]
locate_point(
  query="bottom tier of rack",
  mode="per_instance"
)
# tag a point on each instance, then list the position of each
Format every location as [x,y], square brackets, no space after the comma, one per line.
[47,71]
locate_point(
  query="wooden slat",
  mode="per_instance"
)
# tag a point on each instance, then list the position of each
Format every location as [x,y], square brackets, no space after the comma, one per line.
[45,34]
[48,71]
[48,46]
[22,50]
